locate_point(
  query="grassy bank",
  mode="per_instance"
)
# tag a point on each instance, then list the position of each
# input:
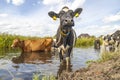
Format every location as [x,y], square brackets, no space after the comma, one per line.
[105,56]
[85,42]
[37,77]
[105,68]
[7,39]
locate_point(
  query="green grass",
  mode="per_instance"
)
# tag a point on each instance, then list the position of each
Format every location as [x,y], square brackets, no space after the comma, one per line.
[105,56]
[51,77]
[7,39]
[85,42]
[6,42]
[37,77]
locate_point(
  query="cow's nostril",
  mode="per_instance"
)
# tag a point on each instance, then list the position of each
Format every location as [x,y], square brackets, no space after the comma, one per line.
[65,20]
[71,20]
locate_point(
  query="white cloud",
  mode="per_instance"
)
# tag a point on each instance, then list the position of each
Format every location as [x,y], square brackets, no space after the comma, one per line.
[3,15]
[77,3]
[51,2]
[36,25]
[18,2]
[8,1]
[28,26]
[112,18]
[58,4]
[98,30]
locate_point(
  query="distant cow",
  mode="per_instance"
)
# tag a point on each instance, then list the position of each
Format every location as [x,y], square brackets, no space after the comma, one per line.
[112,41]
[108,43]
[66,36]
[97,44]
[33,45]
[116,37]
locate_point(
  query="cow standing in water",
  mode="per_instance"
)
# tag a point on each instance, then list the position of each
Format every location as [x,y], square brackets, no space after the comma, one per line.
[66,36]
[97,44]
[33,45]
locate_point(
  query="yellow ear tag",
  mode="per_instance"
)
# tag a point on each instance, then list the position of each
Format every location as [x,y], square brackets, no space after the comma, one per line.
[54,17]
[76,15]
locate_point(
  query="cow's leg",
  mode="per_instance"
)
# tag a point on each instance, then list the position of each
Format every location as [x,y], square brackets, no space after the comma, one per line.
[116,46]
[60,55]
[68,56]
[71,40]
[67,60]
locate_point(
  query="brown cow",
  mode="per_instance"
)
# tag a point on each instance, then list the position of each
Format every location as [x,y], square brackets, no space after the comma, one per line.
[43,44]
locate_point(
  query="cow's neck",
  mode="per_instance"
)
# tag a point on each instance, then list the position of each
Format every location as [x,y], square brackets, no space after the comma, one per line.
[21,45]
[65,36]
[63,33]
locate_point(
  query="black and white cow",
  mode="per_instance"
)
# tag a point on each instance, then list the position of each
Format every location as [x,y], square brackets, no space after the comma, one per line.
[112,41]
[116,37]
[66,36]
[108,43]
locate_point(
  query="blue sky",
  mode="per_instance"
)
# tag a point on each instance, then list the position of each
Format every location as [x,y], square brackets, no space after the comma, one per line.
[30,17]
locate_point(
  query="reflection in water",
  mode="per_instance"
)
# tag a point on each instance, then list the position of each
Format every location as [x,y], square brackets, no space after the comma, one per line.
[25,64]
[32,57]
[16,67]
[64,68]
[97,50]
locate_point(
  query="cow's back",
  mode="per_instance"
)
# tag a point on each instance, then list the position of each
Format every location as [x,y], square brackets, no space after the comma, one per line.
[41,44]
[37,45]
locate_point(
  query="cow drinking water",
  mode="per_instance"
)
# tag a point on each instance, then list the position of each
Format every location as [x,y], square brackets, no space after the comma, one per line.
[66,36]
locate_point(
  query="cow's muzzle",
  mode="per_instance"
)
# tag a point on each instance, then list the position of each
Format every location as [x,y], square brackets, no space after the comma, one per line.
[69,22]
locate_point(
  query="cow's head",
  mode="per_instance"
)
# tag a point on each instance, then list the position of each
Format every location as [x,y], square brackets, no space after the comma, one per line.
[16,43]
[66,17]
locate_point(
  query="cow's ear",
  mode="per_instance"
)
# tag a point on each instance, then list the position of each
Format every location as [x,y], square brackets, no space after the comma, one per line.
[77,12]
[53,15]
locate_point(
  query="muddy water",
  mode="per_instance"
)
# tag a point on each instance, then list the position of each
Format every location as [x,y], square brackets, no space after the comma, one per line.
[22,66]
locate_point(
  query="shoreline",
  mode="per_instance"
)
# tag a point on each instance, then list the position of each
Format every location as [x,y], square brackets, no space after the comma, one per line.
[97,70]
